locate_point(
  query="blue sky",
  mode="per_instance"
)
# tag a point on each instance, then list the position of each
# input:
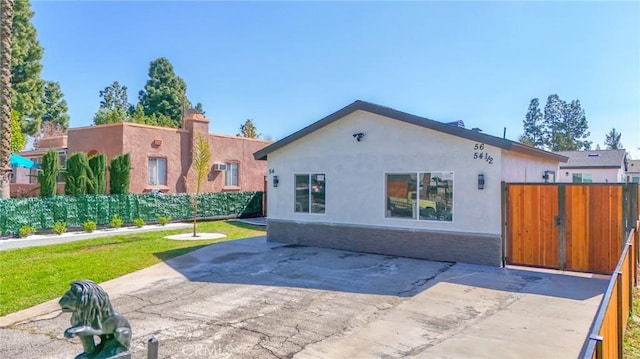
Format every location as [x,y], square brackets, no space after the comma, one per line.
[288,64]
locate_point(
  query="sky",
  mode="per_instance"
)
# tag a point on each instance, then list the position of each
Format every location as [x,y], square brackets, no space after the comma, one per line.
[286,65]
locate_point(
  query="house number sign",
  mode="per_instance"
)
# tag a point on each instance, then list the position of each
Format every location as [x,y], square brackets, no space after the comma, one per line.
[480,154]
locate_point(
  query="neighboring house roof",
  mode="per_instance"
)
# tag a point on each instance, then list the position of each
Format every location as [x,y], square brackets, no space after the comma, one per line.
[634,166]
[414,120]
[594,159]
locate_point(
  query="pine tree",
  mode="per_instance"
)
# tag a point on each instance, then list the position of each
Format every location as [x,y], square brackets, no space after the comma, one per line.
[533,126]
[114,106]
[27,87]
[164,93]
[612,140]
[48,174]
[119,174]
[199,108]
[55,106]
[248,130]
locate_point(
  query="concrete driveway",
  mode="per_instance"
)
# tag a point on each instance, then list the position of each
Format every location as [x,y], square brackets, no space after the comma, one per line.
[253,299]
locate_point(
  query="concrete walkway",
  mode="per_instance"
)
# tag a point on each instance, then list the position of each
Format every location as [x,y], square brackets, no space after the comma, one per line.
[253,299]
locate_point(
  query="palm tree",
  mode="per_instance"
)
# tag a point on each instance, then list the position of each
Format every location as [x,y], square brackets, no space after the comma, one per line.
[6,22]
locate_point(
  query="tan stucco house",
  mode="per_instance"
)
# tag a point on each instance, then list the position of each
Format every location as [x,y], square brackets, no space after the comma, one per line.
[160,156]
[370,178]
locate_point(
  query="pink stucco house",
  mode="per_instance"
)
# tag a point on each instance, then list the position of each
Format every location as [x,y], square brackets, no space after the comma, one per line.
[160,156]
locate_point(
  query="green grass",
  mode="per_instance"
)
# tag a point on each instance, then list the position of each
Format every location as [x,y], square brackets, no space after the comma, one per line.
[632,336]
[31,276]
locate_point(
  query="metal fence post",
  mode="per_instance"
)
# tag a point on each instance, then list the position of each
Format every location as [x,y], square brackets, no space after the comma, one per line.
[152,348]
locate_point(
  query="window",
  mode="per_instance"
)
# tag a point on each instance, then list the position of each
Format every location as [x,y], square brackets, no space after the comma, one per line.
[582,178]
[310,193]
[62,163]
[420,195]
[158,171]
[33,172]
[231,175]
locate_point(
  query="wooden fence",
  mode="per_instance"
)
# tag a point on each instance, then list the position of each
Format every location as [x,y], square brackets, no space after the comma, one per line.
[607,331]
[577,227]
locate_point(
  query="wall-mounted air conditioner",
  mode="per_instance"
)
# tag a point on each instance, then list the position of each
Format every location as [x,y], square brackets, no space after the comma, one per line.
[220,167]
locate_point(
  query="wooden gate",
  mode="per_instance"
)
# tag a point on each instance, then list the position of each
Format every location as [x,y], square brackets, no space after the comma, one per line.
[577,227]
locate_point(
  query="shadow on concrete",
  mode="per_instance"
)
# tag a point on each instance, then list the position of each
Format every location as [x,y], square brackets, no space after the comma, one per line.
[255,261]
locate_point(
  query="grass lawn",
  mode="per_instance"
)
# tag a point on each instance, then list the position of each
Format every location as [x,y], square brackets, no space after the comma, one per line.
[31,276]
[632,336]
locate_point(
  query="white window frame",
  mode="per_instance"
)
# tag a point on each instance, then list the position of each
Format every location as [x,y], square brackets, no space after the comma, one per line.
[159,180]
[231,175]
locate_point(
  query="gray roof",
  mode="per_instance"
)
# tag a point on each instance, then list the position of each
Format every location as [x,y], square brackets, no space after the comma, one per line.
[633,166]
[414,120]
[594,159]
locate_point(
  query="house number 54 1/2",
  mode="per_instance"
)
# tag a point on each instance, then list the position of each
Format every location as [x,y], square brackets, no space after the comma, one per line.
[480,154]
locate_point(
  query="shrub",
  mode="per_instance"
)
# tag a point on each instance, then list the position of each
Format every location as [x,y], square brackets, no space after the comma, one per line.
[59,228]
[26,230]
[138,222]
[115,222]
[89,226]
[163,220]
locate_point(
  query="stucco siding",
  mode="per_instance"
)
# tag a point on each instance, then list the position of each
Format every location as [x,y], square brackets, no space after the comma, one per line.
[355,173]
[518,167]
[240,150]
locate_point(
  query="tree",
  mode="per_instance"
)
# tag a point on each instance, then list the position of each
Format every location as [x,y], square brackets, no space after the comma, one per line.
[562,127]
[201,159]
[612,140]
[248,130]
[27,87]
[119,174]
[114,106]
[48,174]
[533,125]
[199,108]
[18,139]
[55,106]
[98,165]
[78,175]
[164,92]
[6,22]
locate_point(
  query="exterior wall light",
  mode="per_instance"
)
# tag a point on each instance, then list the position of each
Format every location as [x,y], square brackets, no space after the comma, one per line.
[480,181]
[275,181]
[358,136]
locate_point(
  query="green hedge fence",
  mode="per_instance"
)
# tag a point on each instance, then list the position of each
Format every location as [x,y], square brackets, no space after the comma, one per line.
[42,213]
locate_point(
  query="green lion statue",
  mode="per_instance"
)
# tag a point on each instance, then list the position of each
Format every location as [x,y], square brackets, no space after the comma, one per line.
[92,315]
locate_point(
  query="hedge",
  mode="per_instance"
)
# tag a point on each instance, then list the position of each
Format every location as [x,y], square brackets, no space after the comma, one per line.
[42,213]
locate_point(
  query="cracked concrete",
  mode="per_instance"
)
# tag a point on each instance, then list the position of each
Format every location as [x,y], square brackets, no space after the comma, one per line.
[253,299]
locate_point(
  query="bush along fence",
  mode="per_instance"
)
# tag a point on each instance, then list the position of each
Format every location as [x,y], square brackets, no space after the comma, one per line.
[42,213]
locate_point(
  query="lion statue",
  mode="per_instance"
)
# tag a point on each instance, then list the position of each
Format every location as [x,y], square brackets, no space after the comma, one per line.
[92,315]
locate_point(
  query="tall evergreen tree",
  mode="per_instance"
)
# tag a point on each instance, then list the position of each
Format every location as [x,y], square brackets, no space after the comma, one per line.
[533,125]
[248,130]
[199,108]
[98,165]
[562,127]
[78,176]
[48,174]
[114,105]
[164,92]
[613,140]
[27,87]
[6,22]
[55,106]
[120,174]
